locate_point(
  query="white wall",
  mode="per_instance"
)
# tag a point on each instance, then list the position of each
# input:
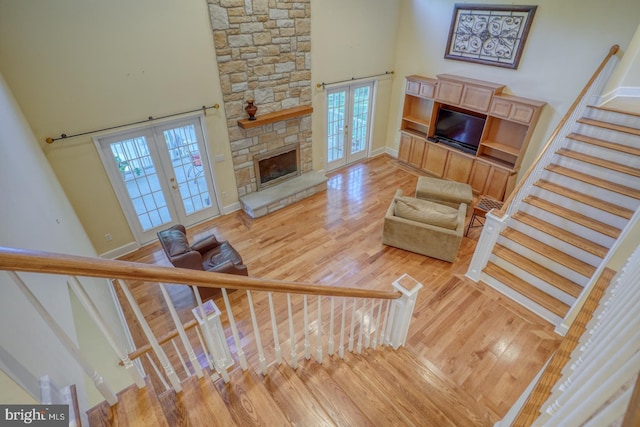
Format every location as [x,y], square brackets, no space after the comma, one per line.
[625,81]
[354,38]
[567,41]
[37,215]
[76,66]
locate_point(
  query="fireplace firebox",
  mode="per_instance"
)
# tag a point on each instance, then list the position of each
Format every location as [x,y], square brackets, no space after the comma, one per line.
[276,166]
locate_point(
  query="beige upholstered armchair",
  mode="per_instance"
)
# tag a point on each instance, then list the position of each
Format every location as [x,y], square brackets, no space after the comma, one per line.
[424,227]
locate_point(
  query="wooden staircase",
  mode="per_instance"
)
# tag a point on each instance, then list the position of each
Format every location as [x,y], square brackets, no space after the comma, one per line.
[376,388]
[564,227]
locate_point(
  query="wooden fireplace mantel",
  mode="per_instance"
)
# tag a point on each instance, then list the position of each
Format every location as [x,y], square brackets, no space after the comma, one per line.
[276,116]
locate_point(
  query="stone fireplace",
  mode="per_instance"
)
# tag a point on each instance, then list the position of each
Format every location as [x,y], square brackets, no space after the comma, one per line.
[263,51]
[276,166]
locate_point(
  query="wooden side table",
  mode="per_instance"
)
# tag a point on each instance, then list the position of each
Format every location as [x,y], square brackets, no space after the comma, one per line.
[480,209]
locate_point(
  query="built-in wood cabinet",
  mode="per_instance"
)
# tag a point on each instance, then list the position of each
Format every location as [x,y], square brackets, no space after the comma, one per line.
[509,123]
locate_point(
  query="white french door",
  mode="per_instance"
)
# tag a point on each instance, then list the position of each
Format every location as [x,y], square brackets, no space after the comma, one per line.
[161,176]
[349,112]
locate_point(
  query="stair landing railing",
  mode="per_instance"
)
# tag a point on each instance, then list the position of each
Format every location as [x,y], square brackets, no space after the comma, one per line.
[344,318]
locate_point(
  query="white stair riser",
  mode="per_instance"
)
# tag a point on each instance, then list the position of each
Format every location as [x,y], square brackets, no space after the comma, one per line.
[521,299]
[602,153]
[544,261]
[623,138]
[584,209]
[621,119]
[570,226]
[554,242]
[593,190]
[597,171]
[533,280]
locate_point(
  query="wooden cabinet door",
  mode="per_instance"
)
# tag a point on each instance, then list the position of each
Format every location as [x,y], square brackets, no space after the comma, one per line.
[479,174]
[476,97]
[418,148]
[449,92]
[497,183]
[458,167]
[435,160]
[405,148]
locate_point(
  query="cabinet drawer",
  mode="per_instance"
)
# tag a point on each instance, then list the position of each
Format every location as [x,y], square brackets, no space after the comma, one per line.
[413,87]
[427,90]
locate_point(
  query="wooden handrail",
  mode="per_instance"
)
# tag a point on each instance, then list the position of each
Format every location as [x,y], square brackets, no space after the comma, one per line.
[13,259]
[612,51]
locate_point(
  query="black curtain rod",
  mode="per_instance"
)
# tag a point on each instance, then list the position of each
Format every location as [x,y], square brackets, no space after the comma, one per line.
[323,84]
[204,108]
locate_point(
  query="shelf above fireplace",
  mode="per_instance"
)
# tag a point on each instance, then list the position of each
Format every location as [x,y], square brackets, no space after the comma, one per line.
[276,116]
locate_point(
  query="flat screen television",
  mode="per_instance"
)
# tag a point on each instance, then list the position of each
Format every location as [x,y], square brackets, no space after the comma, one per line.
[460,130]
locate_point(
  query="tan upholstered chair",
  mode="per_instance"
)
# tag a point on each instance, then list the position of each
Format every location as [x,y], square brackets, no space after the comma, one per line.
[424,227]
[207,254]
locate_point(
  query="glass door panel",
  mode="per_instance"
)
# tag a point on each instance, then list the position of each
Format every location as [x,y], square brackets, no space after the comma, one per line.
[336,103]
[349,111]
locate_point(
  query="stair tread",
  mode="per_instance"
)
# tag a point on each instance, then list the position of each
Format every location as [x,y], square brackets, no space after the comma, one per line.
[246,399]
[552,278]
[547,251]
[635,151]
[599,182]
[597,161]
[610,126]
[615,110]
[578,218]
[561,234]
[541,298]
[585,198]
[292,396]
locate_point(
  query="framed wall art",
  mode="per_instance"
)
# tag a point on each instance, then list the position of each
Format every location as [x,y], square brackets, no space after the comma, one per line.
[489,34]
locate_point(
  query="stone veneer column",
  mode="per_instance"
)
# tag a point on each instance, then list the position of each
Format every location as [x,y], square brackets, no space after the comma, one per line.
[263,50]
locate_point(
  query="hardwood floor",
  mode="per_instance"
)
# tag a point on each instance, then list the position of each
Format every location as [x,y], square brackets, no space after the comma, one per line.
[470,351]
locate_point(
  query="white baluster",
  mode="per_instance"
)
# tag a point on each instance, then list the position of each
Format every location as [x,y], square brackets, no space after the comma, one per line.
[219,357]
[367,341]
[179,353]
[274,327]
[353,324]
[157,371]
[319,332]
[97,379]
[160,354]
[342,326]
[234,331]
[391,309]
[361,328]
[613,411]
[90,307]
[384,323]
[376,333]
[181,332]
[292,335]
[256,332]
[307,346]
[330,349]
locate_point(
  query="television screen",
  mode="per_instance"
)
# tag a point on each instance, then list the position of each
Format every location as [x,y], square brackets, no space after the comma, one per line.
[460,128]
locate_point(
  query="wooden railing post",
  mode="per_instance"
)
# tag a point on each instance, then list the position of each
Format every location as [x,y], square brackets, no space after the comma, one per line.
[402,310]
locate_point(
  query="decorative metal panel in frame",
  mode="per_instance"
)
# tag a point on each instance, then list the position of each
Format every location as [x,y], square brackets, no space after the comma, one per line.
[489,34]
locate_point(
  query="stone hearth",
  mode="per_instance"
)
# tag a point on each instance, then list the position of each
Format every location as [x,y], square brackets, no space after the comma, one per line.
[273,198]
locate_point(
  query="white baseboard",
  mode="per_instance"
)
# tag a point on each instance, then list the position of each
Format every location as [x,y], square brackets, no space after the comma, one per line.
[231,208]
[620,92]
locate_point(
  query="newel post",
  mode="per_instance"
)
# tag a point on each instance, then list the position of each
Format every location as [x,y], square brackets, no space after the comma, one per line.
[401,310]
[493,226]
